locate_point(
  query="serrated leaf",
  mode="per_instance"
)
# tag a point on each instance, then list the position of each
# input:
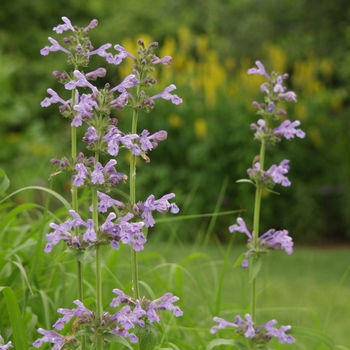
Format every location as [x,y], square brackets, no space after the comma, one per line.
[313,334]
[220,341]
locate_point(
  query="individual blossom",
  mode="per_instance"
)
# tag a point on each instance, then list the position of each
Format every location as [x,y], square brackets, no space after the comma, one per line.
[261,70]
[51,337]
[289,96]
[53,99]
[82,173]
[54,47]
[101,51]
[92,24]
[149,142]
[262,333]
[127,83]
[97,73]
[81,82]
[117,59]
[64,27]
[68,314]
[90,135]
[166,60]
[270,240]
[106,202]
[168,96]
[161,205]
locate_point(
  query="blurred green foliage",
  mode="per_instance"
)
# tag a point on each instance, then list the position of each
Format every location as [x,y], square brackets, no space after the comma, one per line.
[213,43]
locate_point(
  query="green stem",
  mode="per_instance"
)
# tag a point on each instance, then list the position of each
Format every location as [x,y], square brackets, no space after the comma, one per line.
[134,263]
[257,205]
[98,265]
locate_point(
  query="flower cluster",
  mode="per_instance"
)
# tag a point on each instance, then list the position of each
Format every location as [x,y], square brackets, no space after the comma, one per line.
[135,312]
[270,240]
[262,333]
[122,230]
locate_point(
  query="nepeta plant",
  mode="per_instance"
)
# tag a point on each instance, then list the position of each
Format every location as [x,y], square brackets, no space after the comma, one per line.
[268,132]
[110,221]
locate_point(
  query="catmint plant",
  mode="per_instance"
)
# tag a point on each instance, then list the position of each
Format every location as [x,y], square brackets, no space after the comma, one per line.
[109,221]
[270,129]
[6,346]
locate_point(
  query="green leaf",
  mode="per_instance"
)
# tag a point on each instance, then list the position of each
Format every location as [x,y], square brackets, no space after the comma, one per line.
[19,334]
[4,181]
[220,341]
[313,334]
[114,338]
[255,263]
[239,260]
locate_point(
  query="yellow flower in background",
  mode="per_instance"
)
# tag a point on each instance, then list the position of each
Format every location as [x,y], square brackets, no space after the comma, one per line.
[175,120]
[200,128]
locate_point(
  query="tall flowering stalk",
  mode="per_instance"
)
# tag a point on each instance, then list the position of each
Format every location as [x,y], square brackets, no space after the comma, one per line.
[124,222]
[268,133]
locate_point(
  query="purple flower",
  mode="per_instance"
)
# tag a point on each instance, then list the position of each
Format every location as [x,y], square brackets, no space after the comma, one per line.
[90,234]
[53,99]
[163,303]
[261,70]
[150,142]
[117,59]
[82,82]
[277,173]
[6,346]
[246,327]
[127,141]
[289,96]
[80,311]
[288,129]
[278,333]
[82,172]
[121,100]
[97,73]
[162,205]
[60,233]
[249,331]
[50,337]
[97,176]
[92,24]
[106,202]
[271,239]
[91,135]
[127,83]
[54,47]
[64,27]
[166,60]
[127,233]
[84,108]
[101,51]
[241,227]
[277,240]
[167,96]
[278,87]
[122,298]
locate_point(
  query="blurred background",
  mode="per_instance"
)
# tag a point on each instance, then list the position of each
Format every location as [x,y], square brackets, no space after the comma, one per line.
[210,144]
